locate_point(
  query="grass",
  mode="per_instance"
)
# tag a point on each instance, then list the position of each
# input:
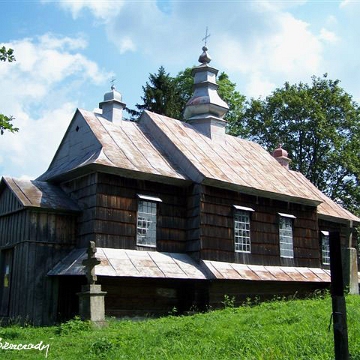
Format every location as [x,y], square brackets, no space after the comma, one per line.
[297,329]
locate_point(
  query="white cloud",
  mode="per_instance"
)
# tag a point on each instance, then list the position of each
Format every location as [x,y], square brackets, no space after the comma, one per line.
[328,36]
[345,3]
[103,10]
[126,44]
[30,151]
[37,89]
[259,84]
[284,50]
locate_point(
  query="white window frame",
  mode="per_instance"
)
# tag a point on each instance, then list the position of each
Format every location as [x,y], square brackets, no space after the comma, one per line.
[325,248]
[242,234]
[146,221]
[286,235]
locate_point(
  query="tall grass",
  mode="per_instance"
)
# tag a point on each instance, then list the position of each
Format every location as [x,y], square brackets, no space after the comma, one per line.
[297,329]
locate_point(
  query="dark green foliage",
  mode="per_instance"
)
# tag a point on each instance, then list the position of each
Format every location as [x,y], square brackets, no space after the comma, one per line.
[5,124]
[319,125]
[5,121]
[160,95]
[7,54]
[168,95]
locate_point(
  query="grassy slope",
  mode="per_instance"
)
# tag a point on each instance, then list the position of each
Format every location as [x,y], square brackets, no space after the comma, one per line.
[274,330]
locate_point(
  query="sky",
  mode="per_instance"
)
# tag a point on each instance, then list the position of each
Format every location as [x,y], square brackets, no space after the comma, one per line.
[67,52]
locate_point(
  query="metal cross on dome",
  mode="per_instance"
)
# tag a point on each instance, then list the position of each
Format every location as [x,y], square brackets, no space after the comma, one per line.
[206,36]
[112,83]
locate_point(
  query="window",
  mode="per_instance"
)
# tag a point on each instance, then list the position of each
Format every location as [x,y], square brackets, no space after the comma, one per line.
[286,235]
[5,280]
[242,229]
[146,221]
[325,248]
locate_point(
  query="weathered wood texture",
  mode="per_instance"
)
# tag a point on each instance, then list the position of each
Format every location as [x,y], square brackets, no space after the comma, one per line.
[83,191]
[33,294]
[193,244]
[39,226]
[109,216]
[265,290]
[8,202]
[38,240]
[341,228]
[217,234]
[129,296]
[116,213]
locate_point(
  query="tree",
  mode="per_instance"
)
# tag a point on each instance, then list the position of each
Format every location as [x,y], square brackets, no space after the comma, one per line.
[5,121]
[319,125]
[235,101]
[168,96]
[7,54]
[160,95]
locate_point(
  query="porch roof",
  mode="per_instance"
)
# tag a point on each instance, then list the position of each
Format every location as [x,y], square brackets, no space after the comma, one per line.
[153,264]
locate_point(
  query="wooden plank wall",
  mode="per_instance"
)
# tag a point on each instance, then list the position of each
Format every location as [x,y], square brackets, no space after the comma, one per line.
[341,228]
[217,235]
[138,296]
[116,213]
[14,228]
[193,245]
[39,240]
[33,294]
[261,290]
[83,191]
[8,202]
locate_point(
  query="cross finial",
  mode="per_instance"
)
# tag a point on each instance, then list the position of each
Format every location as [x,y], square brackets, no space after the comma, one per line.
[112,83]
[90,262]
[206,36]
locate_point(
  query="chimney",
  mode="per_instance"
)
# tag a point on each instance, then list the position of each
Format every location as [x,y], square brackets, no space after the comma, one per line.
[205,109]
[281,156]
[112,106]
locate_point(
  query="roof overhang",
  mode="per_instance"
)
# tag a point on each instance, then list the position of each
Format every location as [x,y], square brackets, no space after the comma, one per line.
[126,263]
[262,193]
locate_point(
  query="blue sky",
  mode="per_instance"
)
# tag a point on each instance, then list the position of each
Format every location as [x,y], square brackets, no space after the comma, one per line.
[67,52]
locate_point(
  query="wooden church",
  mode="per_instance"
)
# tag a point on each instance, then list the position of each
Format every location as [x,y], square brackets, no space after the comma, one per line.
[180,212]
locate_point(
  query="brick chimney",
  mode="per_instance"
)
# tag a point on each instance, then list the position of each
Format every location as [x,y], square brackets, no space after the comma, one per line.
[281,156]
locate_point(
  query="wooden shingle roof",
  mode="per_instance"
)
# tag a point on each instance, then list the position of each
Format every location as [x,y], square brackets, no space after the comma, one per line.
[227,161]
[154,264]
[94,141]
[38,194]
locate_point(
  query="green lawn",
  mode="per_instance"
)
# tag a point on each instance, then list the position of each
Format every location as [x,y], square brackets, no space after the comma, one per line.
[297,329]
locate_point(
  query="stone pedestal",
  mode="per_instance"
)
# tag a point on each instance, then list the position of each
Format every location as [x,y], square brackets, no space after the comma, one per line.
[92,303]
[350,270]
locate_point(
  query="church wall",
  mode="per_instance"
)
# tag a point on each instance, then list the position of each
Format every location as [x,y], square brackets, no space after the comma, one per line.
[148,297]
[32,241]
[116,213]
[83,191]
[243,291]
[217,229]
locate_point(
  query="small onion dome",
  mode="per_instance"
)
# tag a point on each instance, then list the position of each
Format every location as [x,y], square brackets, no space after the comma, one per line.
[280,152]
[281,156]
[112,95]
[204,58]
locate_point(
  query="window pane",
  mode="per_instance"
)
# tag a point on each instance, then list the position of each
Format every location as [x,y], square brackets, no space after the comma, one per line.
[146,223]
[242,231]
[325,249]
[286,237]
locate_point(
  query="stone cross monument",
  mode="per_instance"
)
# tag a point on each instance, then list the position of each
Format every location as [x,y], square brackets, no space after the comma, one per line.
[91,298]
